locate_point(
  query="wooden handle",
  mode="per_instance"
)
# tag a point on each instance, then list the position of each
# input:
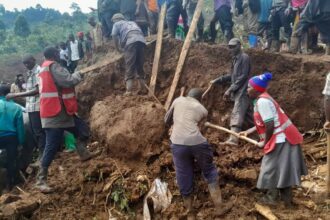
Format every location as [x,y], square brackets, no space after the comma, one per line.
[184,52]
[251,141]
[328,164]
[207,91]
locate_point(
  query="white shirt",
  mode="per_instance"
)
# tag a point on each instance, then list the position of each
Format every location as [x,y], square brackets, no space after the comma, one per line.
[64,54]
[267,111]
[74,50]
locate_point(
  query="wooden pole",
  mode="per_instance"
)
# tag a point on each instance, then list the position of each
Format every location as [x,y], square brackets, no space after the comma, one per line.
[208,124]
[184,53]
[328,163]
[207,91]
[158,50]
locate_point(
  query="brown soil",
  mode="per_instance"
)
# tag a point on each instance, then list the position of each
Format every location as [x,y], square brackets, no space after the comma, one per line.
[130,133]
[131,128]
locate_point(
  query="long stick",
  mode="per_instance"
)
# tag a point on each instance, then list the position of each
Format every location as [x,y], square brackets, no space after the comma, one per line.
[184,53]
[208,124]
[152,94]
[207,91]
[158,50]
[328,163]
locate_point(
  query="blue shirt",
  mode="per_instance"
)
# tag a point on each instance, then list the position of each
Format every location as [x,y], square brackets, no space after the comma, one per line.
[11,120]
[265,7]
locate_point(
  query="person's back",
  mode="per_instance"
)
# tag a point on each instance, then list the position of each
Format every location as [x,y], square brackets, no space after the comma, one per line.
[9,115]
[128,32]
[188,112]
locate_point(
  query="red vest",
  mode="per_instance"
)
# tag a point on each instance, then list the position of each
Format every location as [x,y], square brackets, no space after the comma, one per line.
[292,134]
[51,98]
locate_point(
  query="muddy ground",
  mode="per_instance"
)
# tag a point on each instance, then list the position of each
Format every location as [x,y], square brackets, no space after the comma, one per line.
[134,147]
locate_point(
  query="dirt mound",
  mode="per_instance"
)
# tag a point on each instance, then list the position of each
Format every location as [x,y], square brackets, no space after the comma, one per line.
[131,136]
[130,127]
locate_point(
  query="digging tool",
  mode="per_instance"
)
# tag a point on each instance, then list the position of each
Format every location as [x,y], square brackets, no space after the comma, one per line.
[207,91]
[152,94]
[251,141]
[158,49]
[184,53]
[182,91]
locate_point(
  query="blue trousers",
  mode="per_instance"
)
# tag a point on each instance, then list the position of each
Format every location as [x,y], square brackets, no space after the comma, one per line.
[54,139]
[184,158]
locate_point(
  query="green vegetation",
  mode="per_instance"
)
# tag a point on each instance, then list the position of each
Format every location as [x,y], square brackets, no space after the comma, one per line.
[34,28]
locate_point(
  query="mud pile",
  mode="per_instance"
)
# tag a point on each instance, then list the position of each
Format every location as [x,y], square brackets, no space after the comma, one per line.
[130,127]
[135,149]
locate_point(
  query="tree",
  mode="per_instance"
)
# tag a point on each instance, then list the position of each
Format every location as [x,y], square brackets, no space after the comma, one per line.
[22,27]
[77,14]
[2,32]
[2,10]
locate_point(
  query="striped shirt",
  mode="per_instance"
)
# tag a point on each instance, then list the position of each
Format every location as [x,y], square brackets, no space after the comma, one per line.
[32,102]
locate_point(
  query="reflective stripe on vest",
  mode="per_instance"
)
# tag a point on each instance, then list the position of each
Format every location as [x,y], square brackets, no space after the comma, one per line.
[49,94]
[68,96]
[282,127]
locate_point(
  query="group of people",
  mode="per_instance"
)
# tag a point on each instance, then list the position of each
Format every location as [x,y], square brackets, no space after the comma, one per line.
[283,162]
[50,109]
[267,23]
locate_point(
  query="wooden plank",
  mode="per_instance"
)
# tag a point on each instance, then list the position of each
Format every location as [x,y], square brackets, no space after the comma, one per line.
[184,53]
[328,164]
[265,211]
[107,62]
[158,50]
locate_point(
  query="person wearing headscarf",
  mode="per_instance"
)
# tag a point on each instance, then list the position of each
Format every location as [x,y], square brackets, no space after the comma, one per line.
[283,163]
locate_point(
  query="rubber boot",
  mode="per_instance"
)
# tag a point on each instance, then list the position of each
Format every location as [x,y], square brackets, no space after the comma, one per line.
[129,87]
[82,151]
[215,193]
[327,49]
[295,43]
[271,197]
[232,140]
[269,44]
[286,196]
[188,204]
[142,87]
[42,181]
[200,32]
[276,45]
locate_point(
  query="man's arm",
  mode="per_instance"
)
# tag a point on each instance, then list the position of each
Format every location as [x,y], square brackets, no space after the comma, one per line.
[116,40]
[115,37]
[32,92]
[242,77]
[63,78]
[222,79]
